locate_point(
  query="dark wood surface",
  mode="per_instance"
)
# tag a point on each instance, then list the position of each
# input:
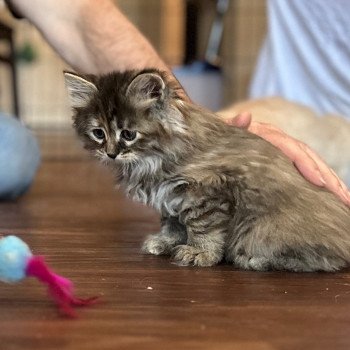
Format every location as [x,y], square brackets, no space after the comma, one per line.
[92,234]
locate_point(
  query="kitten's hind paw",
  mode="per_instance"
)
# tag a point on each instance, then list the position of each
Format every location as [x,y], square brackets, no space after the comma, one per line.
[157,245]
[186,255]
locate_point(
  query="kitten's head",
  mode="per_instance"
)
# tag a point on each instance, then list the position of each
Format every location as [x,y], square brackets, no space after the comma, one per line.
[128,117]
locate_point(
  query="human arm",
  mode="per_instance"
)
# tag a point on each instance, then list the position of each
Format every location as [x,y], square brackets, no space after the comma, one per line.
[92,36]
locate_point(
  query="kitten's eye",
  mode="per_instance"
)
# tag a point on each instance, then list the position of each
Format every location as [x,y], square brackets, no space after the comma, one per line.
[99,133]
[128,135]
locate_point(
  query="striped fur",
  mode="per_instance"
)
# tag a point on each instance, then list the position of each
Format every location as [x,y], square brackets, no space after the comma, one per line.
[222,192]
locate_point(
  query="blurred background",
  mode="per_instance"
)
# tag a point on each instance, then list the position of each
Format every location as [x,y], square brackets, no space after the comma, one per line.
[212,46]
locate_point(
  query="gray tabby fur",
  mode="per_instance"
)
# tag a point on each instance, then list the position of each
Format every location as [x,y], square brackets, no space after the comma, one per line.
[222,192]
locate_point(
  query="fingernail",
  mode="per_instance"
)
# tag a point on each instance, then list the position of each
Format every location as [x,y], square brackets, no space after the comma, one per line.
[348,197]
[323,181]
[344,187]
[345,195]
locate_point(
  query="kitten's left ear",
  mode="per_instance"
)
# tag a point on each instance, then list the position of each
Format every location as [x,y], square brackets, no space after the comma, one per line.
[80,90]
[146,88]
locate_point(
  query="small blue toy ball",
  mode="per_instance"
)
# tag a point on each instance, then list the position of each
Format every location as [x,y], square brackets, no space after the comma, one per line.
[14,255]
[19,158]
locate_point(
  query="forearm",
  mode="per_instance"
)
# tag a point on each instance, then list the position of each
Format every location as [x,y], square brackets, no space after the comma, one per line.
[93,36]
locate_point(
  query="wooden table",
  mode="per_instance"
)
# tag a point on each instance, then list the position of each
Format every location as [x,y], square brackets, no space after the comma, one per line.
[92,234]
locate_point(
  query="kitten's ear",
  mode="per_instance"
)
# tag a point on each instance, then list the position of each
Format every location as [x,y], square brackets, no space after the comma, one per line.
[146,88]
[80,90]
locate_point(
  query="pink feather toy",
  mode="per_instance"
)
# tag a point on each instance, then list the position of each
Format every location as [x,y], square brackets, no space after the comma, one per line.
[17,262]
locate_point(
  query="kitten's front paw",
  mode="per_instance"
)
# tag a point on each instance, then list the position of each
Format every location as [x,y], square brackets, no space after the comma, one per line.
[188,255]
[157,245]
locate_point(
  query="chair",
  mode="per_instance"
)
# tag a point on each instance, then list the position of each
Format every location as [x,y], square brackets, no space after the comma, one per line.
[6,34]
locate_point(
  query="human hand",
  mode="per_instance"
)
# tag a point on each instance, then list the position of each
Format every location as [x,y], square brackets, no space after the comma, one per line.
[309,164]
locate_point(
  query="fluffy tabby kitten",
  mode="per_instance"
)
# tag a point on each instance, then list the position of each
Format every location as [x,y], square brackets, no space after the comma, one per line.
[223,193]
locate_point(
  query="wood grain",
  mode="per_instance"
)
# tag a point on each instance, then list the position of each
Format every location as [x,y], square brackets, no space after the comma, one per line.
[92,234]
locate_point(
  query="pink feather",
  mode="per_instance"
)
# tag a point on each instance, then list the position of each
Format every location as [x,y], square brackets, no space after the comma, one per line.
[60,288]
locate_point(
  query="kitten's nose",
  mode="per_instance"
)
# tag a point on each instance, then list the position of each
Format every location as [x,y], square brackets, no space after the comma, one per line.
[112,155]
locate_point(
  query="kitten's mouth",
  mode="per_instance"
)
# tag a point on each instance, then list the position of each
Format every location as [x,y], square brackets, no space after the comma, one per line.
[126,156]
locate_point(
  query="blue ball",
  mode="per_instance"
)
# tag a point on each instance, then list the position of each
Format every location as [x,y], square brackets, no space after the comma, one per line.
[14,256]
[19,158]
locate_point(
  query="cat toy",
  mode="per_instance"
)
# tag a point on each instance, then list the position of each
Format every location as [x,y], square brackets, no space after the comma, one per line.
[17,262]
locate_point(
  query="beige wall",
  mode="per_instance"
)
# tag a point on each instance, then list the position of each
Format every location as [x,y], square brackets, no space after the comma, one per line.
[42,93]
[162,22]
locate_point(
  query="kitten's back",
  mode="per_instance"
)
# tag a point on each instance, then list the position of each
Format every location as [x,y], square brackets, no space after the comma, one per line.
[278,214]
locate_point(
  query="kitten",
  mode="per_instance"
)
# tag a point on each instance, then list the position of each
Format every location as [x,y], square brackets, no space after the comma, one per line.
[222,192]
